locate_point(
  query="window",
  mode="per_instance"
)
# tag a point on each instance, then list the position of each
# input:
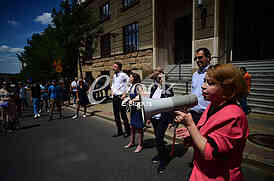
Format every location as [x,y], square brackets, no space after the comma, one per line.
[105,45]
[129,3]
[105,12]
[131,37]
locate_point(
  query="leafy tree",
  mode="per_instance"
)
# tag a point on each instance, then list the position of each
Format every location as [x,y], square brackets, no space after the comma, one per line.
[73,31]
[77,28]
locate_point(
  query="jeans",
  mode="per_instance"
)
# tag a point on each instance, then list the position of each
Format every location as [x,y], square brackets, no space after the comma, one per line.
[35,103]
[74,97]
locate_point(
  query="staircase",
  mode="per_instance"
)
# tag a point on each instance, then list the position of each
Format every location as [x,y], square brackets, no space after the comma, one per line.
[181,84]
[261,98]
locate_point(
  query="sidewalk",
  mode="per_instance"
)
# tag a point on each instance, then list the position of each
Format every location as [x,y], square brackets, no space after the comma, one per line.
[259,147]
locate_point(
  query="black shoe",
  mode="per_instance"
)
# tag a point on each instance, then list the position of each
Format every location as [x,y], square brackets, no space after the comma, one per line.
[126,135]
[117,135]
[155,160]
[50,118]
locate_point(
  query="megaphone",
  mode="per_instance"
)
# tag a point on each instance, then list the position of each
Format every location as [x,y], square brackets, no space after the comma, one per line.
[151,107]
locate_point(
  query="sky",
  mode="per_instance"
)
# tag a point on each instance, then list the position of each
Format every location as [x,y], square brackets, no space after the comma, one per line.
[19,19]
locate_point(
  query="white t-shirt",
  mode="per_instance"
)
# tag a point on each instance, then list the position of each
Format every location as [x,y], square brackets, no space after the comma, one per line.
[74,86]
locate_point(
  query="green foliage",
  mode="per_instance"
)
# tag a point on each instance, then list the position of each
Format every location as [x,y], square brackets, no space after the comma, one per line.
[74,29]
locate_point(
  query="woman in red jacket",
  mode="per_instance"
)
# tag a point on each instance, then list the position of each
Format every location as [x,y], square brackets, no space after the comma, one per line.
[220,135]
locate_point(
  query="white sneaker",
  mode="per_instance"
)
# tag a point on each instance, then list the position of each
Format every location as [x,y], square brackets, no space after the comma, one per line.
[38,115]
[74,117]
[40,111]
[35,116]
[84,116]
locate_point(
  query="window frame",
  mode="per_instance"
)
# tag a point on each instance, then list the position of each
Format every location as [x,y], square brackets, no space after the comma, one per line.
[126,4]
[105,44]
[131,38]
[105,15]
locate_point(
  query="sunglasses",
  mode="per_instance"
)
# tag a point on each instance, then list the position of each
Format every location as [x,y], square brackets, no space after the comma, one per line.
[199,58]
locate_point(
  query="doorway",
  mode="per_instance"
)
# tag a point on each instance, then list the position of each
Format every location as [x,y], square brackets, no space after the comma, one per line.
[183,39]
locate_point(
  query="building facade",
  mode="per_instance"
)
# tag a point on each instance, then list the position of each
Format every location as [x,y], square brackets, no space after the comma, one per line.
[142,34]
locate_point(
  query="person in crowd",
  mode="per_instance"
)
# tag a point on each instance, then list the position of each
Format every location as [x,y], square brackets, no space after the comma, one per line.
[35,98]
[118,92]
[60,97]
[44,97]
[82,98]
[136,120]
[202,58]
[54,99]
[161,121]
[243,101]
[73,90]
[22,97]
[219,137]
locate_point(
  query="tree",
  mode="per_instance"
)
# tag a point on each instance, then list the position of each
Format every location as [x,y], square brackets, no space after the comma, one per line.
[73,31]
[39,53]
[77,28]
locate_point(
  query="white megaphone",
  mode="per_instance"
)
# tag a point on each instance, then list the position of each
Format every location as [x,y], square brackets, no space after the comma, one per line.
[151,107]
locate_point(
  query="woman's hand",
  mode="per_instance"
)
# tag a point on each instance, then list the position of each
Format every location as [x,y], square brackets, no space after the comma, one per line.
[184,118]
[182,133]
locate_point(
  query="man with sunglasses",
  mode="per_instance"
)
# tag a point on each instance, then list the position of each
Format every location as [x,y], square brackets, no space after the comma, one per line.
[202,58]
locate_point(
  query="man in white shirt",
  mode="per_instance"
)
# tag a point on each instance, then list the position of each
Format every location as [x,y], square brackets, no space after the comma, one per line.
[118,91]
[74,89]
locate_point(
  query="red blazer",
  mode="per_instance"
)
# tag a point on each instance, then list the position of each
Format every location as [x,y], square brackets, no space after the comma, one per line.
[226,132]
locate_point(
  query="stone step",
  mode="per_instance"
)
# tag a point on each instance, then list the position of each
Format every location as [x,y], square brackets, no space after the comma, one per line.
[259,108]
[261,95]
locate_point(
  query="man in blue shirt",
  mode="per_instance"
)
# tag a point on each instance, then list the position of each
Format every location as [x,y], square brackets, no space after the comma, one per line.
[55,97]
[202,58]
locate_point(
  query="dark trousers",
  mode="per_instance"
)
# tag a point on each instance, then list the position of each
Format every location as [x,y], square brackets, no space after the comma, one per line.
[117,110]
[160,126]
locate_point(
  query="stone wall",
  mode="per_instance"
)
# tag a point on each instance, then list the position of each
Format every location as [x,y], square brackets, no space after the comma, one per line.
[140,61]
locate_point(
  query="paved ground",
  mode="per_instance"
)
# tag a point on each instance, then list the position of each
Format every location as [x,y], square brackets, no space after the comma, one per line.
[83,149]
[258,124]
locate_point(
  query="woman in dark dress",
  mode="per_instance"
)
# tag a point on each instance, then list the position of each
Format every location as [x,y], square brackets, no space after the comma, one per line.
[82,98]
[136,120]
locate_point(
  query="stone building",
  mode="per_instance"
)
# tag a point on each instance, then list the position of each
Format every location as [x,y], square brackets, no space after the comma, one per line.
[145,33]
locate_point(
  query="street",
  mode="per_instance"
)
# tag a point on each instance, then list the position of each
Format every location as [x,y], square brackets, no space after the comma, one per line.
[84,150]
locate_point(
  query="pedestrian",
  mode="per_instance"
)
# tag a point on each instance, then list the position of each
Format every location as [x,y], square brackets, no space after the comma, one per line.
[44,97]
[81,98]
[219,137]
[73,87]
[161,121]
[60,97]
[22,98]
[136,120]
[35,98]
[243,100]
[54,99]
[202,59]
[118,92]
